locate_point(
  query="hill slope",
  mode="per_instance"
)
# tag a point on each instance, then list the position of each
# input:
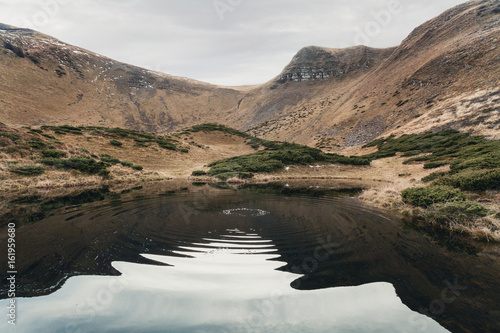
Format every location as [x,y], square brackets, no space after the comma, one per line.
[445,74]
[45,81]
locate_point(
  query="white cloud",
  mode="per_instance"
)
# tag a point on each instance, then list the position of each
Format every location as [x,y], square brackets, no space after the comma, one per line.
[251,44]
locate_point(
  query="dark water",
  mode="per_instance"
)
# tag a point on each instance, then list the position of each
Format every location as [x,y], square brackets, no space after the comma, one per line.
[253,260]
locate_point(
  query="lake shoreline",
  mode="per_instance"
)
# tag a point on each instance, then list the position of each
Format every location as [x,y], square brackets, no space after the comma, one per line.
[379,193]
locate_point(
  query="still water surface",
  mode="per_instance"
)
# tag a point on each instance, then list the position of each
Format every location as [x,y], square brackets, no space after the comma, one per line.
[253,260]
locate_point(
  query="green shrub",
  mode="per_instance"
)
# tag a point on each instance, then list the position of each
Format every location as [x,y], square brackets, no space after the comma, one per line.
[434,176]
[184,150]
[126,164]
[245,175]
[463,208]
[487,161]
[417,159]
[426,196]
[435,164]
[211,127]
[378,142]
[143,140]
[53,153]
[119,131]
[35,131]
[37,144]
[116,143]
[83,164]
[473,180]
[109,159]
[166,144]
[64,129]
[28,170]
[380,154]
[103,173]
[22,150]
[49,136]
[12,136]
[272,159]
[412,153]
[198,173]
[137,167]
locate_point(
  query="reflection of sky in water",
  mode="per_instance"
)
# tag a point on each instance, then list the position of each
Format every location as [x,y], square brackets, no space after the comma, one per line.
[224,285]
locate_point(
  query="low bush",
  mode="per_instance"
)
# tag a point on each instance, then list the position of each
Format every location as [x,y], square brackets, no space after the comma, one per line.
[434,176]
[103,173]
[272,159]
[12,136]
[166,144]
[378,142]
[83,164]
[210,127]
[37,144]
[137,167]
[22,150]
[109,159]
[64,129]
[28,170]
[412,153]
[427,196]
[126,164]
[485,162]
[417,159]
[473,180]
[435,164]
[198,173]
[53,153]
[245,175]
[116,143]
[463,209]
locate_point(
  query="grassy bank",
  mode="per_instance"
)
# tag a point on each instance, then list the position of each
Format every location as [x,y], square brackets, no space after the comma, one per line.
[460,198]
[275,156]
[45,158]
[412,174]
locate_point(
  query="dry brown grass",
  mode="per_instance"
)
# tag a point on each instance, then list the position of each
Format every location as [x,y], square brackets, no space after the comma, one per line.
[158,163]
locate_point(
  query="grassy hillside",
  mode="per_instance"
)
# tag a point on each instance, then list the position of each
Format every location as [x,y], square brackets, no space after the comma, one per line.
[69,156]
[457,198]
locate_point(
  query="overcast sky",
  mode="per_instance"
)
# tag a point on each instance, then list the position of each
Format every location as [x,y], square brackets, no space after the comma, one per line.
[228,42]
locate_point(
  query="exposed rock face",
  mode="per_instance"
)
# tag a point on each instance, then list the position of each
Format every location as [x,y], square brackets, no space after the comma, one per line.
[318,63]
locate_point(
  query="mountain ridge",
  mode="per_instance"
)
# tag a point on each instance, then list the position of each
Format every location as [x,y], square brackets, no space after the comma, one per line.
[443,75]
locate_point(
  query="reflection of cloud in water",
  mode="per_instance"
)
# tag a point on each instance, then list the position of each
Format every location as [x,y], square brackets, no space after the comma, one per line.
[251,212]
[214,288]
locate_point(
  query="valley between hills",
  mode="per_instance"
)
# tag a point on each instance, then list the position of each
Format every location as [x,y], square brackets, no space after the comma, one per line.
[416,127]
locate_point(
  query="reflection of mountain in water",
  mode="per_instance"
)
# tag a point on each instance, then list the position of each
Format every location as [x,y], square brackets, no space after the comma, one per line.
[226,284]
[328,242]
